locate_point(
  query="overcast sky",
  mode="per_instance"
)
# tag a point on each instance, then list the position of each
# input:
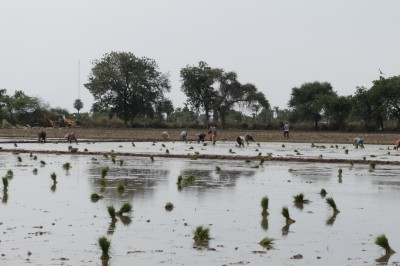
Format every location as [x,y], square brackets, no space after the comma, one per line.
[276,45]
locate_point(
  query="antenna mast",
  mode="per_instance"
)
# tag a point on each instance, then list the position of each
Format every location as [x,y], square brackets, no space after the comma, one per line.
[79,78]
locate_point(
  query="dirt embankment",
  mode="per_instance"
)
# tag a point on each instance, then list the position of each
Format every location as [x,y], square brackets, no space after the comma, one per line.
[229,135]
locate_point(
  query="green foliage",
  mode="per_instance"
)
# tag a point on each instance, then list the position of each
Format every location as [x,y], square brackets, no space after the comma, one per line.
[323,192]
[121,188]
[35,171]
[125,208]
[43,163]
[201,235]
[95,197]
[78,104]
[265,203]
[152,158]
[121,81]
[267,242]
[299,198]
[383,242]
[104,245]
[180,178]
[285,212]
[331,203]
[10,174]
[112,212]
[53,177]
[308,101]
[19,159]
[218,169]
[104,171]
[67,166]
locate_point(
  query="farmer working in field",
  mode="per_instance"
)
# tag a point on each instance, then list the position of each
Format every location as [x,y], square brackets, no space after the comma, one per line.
[183,135]
[358,142]
[286,130]
[201,137]
[240,140]
[213,134]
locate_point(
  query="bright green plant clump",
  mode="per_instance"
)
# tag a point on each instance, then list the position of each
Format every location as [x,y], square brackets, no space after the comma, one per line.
[125,208]
[267,242]
[201,235]
[104,245]
[383,242]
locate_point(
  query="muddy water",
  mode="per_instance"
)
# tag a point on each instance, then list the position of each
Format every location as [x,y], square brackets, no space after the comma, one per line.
[60,225]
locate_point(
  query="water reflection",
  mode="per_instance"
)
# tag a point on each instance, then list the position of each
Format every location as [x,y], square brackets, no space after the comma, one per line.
[264,223]
[5,197]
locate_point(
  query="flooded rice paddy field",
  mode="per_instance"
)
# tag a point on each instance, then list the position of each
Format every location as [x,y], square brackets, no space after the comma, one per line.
[46,224]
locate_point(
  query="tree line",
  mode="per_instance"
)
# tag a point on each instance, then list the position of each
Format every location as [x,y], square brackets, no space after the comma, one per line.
[130,91]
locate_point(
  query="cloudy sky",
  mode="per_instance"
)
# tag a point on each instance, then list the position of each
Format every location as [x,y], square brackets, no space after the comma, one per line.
[276,45]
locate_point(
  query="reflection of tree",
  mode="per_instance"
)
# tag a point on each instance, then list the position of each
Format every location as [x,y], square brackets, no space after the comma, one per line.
[111,228]
[285,229]
[264,223]
[53,188]
[384,259]
[5,197]
[138,179]
[331,219]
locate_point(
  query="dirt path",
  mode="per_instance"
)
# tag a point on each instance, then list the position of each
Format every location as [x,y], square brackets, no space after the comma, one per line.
[155,135]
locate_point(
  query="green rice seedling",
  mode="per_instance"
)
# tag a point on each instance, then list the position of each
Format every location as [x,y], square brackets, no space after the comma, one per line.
[125,208]
[323,192]
[180,178]
[95,197]
[102,182]
[262,160]
[104,171]
[256,150]
[10,174]
[320,156]
[322,147]
[204,144]
[230,151]
[265,205]
[247,161]
[120,146]
[193,157]
[35,171]
[331,203]
[191,148]
[152,158]
[217,169]
[105,155]
[258,144]
[53,177]
[299,198]
[19,159]
[256,166]
[167,151]
[85,150]
[337,146]
[42,163]
[169,206]
[372,166]
[295,151]
[340,171]
[121,162]
[30,154]
[133,144]
[346,151]
[35,157]
[5,183]
[283,146]
[67,166]
[259,154]
[285,213]
[364,158]
[332,146]
[201,235]
[121,188]
[373,156]
[312,145]
[351,163]
[290,170]
[383,242]
[113,160]
[104,245]
[163,145]
[112,212]
[267,242]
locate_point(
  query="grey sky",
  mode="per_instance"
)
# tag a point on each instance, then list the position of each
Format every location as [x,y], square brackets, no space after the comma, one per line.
[276,45]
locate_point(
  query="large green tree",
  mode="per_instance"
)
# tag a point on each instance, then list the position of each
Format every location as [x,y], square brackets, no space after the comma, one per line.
[78,105]
[232,93]
[388,90]
[127,85]
[308,101]
[198,84]
[338,109]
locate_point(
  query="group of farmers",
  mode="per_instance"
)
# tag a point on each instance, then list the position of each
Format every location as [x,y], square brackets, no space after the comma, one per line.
[212,132]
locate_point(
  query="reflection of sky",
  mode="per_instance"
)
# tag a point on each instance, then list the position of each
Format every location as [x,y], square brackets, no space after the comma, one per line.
[229,203]
[295,150]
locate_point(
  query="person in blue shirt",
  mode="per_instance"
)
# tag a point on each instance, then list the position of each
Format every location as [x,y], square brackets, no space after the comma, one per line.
[358,142]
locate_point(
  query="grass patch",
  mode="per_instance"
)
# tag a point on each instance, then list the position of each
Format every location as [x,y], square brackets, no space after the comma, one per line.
[383,242]
[201,235]
[331,203]
[125,208]
[104,245]
[267,242]
[53,177]
[265,205]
